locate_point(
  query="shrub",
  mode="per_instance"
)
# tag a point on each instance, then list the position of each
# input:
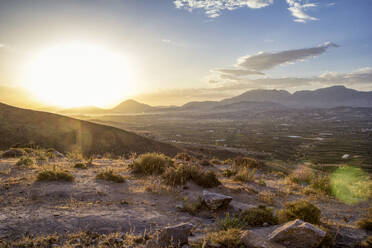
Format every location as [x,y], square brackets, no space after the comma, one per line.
[150,163]
[227,238]
[228,173]
[205,162]
[54,175]
[366,222]
[193,207]
[267,197]
[110,175]
[80,166]
[321,183]
[13,153]
[246,162]
[182,173]
[25,161]
[258,216]
[302,175]
[245,175]
[300,209]
[230,222]
[183,156]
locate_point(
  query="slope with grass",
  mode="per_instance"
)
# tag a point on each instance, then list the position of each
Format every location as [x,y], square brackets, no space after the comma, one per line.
[21,127]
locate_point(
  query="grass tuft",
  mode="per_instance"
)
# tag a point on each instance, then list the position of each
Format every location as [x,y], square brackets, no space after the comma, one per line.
[259,216]
[110,175]
[150,164]
[54,175]
[230,238]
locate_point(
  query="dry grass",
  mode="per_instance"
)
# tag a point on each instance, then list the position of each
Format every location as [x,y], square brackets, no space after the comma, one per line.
[151,164]
[245,175]
[25,161]
[230,238]
[54,175]
[267,197]
[110,175]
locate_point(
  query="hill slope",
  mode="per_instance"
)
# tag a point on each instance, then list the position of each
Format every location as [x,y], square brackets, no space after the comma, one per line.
[20,127]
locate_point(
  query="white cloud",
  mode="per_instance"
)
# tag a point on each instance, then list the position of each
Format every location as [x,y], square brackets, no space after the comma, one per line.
[298,8]
[2,45]
[213,8]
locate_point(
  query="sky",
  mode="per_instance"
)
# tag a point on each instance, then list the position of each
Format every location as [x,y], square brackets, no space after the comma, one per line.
[188,50]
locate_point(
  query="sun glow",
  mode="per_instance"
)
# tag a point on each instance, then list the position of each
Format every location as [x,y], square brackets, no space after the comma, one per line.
[74,75]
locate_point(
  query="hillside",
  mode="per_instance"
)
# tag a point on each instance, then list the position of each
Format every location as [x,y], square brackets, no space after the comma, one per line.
[21,127]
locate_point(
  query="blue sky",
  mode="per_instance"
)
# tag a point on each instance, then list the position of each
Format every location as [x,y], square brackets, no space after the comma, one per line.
[178,51]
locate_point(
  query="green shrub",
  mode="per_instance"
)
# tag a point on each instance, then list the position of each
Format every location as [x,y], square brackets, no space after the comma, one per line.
[245,175]
[300,209]
[25,161]
[181,174]
[150,163]
[258,216]
[54,175]
[230,222]
[230,238]
[110,175]
[81,166]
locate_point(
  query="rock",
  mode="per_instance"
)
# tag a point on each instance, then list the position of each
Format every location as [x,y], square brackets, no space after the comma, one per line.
[240,207]
[347,237]
[252,240]
[298,234]
[174,235]
[215,201]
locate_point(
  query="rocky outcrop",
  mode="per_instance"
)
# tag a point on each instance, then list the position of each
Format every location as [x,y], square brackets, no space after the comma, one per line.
[298,234]
[252,240]
[215,201]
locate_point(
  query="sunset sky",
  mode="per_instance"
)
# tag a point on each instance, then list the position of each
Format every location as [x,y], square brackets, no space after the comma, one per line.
[174,51]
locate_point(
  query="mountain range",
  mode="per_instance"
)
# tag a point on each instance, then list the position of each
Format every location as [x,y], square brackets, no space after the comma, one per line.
[335,96]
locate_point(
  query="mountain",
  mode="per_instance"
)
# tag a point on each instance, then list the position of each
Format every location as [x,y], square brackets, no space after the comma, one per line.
[22,127]
[84,110]
[330,97]
[131,106]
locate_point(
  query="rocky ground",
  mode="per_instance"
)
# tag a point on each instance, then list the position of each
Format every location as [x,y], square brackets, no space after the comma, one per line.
[142,203]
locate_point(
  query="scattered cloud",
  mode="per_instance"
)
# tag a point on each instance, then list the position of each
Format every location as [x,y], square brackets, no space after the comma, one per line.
[298,10]
[213,8]
[255,64]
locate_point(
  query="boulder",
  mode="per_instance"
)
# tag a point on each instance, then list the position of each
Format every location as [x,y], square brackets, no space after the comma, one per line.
[174,236]
[298,234]
[347,237]
[252,240]
[215,201]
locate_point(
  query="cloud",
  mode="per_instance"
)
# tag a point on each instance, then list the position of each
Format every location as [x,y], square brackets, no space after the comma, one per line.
[297,8]
[357,77]
[2,45]
[213,8]
[238,72]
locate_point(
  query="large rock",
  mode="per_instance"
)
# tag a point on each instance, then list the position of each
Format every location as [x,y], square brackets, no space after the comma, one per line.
[252,240]
[347,237]
[174,236]
[298,234]
[215,201]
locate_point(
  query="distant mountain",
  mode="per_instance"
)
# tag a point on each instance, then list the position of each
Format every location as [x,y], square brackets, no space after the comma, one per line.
[22,127]
[330,97]
[83,110]
[249,106]
[131,106]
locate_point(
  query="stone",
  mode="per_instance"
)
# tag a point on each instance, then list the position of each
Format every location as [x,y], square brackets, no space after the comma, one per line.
[252,240]
[240,207]
[298,234]
[174,235]
[215,201]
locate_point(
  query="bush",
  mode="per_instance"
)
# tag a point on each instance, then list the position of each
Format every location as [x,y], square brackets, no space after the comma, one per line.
[55,175]
[302,175]
[183,156]
[259,216]
[110,175]
[227,238]
[300,209]
[228,173]
[150,163]
[246,162]
[194,207]
[182,173]
[230,222]
[245,175]
[267,197]
[25,161]
[321,184]
[80,166]
[366,222]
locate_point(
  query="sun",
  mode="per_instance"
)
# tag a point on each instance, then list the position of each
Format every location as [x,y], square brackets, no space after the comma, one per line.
[77,74]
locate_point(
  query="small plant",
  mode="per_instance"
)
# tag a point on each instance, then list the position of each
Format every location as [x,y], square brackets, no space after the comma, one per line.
[267,197]
[321,183]
[54,175]
[25,161]
[245,175]
[81,166]
[246,162]
[259,216]
[366,222]
[300,209]
[230,222]
[110,175]
[230,238]
[150,164]
[302,175]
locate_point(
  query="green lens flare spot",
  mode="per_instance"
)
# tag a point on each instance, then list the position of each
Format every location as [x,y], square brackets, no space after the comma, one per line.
[350,185]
